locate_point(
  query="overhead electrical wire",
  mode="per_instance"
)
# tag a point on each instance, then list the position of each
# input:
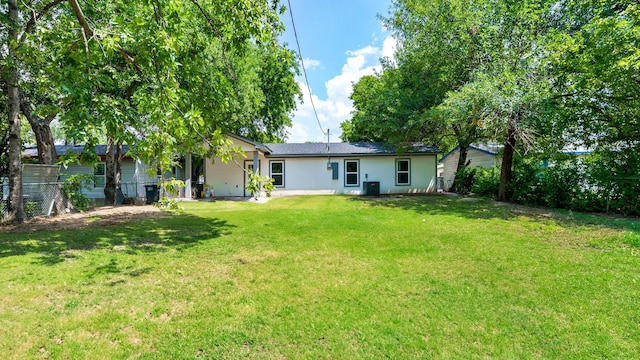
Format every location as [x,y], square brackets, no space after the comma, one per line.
[304,71]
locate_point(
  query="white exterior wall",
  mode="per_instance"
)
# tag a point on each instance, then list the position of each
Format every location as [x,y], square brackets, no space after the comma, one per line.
[73,169]
[230,179]
[134,177]
[137,180]
[474,157]
[311,176]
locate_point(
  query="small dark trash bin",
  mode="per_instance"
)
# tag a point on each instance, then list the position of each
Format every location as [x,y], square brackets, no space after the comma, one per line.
[199,190]
[152,193]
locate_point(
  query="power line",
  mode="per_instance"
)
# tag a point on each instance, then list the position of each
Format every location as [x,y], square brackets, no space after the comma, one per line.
[304,70]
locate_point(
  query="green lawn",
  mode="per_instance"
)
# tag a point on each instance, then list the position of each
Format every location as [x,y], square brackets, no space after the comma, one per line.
[327,277]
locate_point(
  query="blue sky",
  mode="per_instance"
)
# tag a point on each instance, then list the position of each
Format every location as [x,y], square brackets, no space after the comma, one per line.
[340,40]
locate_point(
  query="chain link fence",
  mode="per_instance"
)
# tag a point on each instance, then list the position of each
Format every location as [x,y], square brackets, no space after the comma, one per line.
[39,198]
[4,198]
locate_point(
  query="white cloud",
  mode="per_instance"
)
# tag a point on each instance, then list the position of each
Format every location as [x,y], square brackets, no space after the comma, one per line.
[389,46]
[337,107]
[368,50]
[311,64]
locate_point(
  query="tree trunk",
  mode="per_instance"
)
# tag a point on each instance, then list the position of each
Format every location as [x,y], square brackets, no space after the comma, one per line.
[118,172]
[41,128]
[110,180]
[506,173]
[16,208]
[46,148]
[462,163]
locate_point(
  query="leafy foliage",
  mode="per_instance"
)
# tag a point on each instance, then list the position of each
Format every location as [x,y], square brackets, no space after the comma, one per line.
[535,75]
[579,184]
[486,181]
[73,186]
[166,77]
[172,187]
[259,182]
[464,180]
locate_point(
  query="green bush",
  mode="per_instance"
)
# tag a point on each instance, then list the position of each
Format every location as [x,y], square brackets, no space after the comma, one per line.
[487,181]
[526,183]
[73,186]
[257,182]
[464,180]
[562,185]
[169,186]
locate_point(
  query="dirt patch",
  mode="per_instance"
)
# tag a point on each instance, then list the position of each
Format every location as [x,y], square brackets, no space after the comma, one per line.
[102,216]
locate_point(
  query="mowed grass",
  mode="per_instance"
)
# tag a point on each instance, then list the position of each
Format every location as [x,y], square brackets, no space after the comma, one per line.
[327,277]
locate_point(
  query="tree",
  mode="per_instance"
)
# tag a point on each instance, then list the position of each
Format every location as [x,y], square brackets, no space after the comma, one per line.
[598,73]
[473,71]
[18,23]
[439,50]
[11,79]
[166,77]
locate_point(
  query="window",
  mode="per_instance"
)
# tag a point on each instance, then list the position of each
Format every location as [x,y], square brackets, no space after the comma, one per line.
[99,179]
[403,172]
[277,173]
[352,173]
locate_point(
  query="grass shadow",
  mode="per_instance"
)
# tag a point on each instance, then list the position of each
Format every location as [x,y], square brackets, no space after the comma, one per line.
[175,231]
[486,209]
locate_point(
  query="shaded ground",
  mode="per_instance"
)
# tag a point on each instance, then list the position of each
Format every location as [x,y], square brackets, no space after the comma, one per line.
[106,215]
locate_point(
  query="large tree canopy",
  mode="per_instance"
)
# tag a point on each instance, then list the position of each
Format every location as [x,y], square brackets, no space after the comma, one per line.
[529,74]
[165,76]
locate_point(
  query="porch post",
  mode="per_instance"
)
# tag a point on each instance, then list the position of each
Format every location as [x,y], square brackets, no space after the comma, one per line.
[256,167]
[187,176]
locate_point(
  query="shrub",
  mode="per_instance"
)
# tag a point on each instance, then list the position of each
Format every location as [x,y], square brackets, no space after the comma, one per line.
[256,182]
[487,181]
[526,183]
[73,186]
[464,179]
[169,186]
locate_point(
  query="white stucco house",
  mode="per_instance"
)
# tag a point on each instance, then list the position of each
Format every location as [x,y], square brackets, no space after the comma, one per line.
[320,168]
[297,169]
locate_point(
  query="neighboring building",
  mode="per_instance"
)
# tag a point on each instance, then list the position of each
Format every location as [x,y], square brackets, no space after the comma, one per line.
[478,155]
[135,174]
[317,168]
[486,155]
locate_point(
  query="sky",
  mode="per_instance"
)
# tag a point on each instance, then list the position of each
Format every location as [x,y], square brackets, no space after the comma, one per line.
[340,41]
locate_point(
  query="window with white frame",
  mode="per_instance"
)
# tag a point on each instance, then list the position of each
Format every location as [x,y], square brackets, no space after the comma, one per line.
[99,179]
[403,172]
[277,173]
[352,173]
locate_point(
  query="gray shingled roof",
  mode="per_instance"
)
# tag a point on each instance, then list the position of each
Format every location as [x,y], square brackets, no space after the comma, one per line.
[101,150]
[489,148]
[343,149]
[285,150]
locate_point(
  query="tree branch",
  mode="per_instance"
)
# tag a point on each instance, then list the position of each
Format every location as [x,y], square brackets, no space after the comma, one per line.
[128,56]
[81,18]
[35,17]
[27,111]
